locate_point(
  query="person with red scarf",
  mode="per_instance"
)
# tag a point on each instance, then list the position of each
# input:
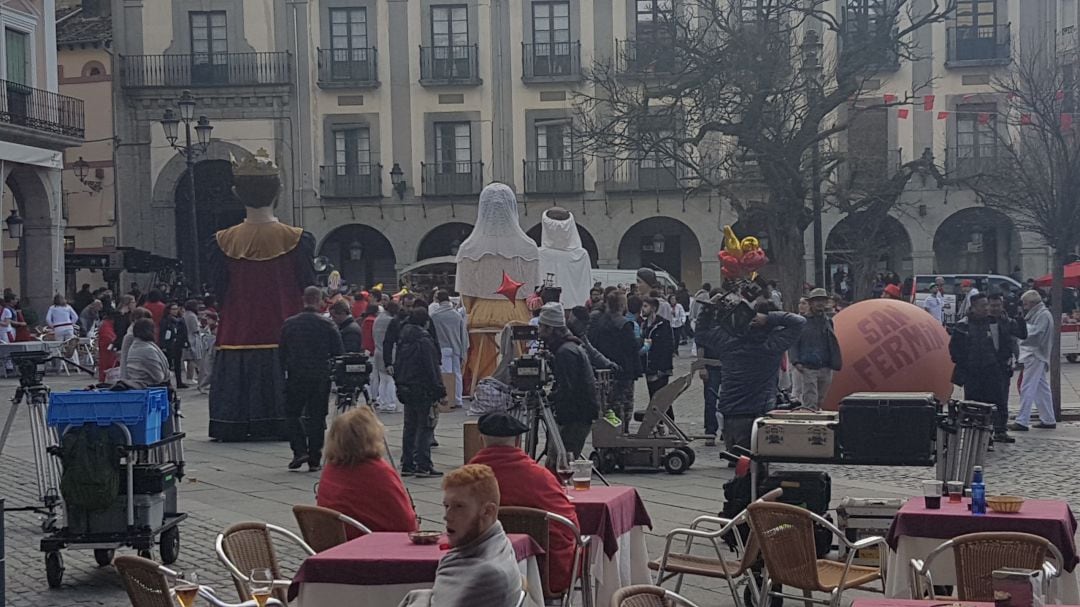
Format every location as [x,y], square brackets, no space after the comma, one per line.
[525,483]
[367,328]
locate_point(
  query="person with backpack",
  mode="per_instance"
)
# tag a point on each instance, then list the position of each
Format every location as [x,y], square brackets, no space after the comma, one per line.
[417,375]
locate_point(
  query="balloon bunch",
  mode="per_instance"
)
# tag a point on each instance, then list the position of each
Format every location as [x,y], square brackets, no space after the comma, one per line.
[741,258]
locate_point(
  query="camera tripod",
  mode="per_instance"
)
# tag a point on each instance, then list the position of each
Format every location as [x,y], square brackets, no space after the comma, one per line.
[538,414]
[347,397]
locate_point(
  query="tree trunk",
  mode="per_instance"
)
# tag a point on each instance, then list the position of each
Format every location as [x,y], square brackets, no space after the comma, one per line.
[1057,293]
[787,251]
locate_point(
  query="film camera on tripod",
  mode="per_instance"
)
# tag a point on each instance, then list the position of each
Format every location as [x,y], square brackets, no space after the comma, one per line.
[351,373]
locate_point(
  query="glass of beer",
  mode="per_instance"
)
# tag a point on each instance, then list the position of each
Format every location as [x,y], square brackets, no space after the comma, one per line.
[956,491]
[582,474]
[261,584]
[932,494]
[186,588]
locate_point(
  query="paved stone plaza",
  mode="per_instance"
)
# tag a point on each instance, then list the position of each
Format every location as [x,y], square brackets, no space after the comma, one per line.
[227,483]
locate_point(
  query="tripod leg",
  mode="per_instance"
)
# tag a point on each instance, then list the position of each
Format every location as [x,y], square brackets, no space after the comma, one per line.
[554,445]
[596,471]
[15,402]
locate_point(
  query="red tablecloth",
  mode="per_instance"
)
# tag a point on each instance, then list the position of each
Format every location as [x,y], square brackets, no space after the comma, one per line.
[608,512]
[385,558]
[1051,519]
[912,603]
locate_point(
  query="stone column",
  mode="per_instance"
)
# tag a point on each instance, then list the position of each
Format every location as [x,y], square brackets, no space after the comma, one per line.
[41,255]
[922,262]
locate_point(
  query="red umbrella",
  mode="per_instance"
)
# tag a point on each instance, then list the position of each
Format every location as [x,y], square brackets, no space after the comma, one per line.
[1072,277]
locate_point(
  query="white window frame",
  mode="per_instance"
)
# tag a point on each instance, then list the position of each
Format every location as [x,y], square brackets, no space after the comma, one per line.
[26,24]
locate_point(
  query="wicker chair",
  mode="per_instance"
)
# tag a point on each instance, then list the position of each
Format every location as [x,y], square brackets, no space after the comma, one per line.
[147,585]
[978,555]
[679,564]
[536,524]
[647,596]
[324,528]
[785,535]
[246,546]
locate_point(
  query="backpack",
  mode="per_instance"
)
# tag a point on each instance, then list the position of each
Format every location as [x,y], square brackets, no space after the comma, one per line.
[91,477]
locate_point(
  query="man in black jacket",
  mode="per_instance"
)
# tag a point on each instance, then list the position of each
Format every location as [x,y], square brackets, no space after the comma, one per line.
[351,337]
[816,354]
[613,335]
[417,374]
[658,348]
[981,348]
[574,394]
[308,342]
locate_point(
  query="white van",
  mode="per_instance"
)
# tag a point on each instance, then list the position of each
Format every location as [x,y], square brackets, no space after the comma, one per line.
[985,283]
[612,278]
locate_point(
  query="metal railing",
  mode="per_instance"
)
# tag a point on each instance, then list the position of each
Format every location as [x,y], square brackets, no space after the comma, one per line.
[547,60]
[633,175]
[451,178]
[645,56]
[41,110]
[357,66]
[991,43]
[449,64]
[963,164]
[351,180]
[206,69]
[554,176]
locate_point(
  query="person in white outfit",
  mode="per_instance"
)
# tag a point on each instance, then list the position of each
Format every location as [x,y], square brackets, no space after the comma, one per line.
[935,303]
[453,334]
[383,389]
[62,319]
[1035,356]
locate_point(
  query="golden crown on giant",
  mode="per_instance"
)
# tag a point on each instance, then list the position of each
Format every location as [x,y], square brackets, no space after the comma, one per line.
[259,164]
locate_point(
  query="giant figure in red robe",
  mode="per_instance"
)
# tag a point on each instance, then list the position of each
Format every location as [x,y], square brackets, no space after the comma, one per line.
[258,270]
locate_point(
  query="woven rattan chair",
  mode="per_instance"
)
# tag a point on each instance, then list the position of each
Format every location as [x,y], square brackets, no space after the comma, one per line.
[246,546]
[647,596]
[147,585]
[978,555]
[785,534]
[685,562]
[324,528]
[536,524]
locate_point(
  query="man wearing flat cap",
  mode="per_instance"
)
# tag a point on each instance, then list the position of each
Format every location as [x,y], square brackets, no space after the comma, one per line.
[523,482]
[574,394]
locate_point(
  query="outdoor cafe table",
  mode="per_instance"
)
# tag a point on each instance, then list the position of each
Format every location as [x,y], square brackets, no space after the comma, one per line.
[916,531]
[912,603]
[616,518]
[379,569]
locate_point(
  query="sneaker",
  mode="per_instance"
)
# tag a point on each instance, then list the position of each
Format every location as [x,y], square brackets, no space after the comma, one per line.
[710,441]
[1015,427]
[432,473]
[407,472]
[1002,437]
[297,461]
[612,419]
[1043,426]
[313,467]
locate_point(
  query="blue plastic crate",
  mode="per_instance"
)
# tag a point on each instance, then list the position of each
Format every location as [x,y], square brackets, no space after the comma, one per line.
[142,411]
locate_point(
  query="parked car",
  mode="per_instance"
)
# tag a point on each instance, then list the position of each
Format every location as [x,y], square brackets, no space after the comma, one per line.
[613,278]
[985,283]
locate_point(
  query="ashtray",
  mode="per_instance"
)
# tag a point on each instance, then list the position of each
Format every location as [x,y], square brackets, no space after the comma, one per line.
[424,538]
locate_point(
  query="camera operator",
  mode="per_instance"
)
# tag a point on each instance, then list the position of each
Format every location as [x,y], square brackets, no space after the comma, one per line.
[613,335]
[308,342]
[351,337]
[750,354]
[574,394]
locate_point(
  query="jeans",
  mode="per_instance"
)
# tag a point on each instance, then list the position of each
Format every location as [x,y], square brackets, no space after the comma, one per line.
[306,402]
[712,389]
[451,363]
[416,436]
[815,385]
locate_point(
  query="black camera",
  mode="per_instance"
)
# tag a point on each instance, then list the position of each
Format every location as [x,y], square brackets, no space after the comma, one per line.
[351,371]
[529,372]
[31,366]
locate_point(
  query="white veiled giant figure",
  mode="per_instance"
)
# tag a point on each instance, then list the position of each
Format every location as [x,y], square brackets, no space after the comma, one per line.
[562,255]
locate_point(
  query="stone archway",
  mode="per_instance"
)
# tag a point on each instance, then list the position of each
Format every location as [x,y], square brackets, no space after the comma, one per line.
[976,240]
[860,250]
[34,192]
[662,242]
[443,240]
[362,255]
[587,241]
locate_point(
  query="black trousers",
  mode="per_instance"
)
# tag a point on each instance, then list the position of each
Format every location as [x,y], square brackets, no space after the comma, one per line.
[307,400]
[573,437]
[176,361]
[654,387]
[991,386]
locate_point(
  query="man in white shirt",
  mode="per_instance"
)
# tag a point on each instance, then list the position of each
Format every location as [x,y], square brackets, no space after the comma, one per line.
[935,304]
[1035,354]
[7,330]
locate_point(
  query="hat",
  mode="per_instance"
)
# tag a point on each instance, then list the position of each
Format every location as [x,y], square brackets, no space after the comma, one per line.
[499,423]
[892,291]
[552,315]
[966,282]
[647,276]
[818,293]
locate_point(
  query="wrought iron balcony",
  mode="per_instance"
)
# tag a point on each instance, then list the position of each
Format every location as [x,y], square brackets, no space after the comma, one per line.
[206,69]
[979,45]
[555,176]
[451,178]
[645,56]
[40,110]
[963,163]
[550,61]
[867,44]
[344,68]
[351,181]
[633,175]
[455,65]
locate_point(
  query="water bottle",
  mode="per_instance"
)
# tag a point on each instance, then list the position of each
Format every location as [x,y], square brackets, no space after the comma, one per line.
[978,492]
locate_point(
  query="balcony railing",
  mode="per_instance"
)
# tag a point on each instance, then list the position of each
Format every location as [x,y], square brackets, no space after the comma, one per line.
[979,44]
[451,178]
[645,56]
[963,164]
[631,175]
[41,110]
[348,67]
[555,176]
[202,69]
[351,181]
[548,61]
[449,65]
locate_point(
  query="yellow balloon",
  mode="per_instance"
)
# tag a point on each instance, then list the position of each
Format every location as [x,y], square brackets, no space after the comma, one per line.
[750,243]
[731,242]
[377,287]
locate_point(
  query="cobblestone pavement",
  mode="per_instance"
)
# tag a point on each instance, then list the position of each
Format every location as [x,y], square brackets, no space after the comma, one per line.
[227,483]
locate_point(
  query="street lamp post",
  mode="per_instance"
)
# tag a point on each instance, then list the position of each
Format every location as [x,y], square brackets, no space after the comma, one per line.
[812,73]
[170,123]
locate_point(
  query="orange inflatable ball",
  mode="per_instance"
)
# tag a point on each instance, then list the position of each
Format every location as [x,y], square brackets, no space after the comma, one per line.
[890,346]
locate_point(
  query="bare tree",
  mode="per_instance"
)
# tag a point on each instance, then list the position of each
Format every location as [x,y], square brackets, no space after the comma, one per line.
[718,83]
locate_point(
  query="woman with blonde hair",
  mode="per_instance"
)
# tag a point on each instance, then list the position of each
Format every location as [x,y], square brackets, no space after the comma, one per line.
[358,481]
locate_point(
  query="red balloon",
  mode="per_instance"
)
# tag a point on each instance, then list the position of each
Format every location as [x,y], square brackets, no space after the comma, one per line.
[890,346]
[729,264]
[509,287]
[752,261]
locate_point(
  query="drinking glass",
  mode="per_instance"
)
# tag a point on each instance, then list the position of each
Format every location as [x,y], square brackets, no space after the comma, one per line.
[261,585]
[932,494]
[186,588]
[565,472]
[582,474]
[956,491]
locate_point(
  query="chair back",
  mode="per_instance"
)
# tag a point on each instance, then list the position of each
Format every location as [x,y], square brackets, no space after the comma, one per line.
[69,347]
[641,595]
[320,527]
[533,523]
[978,555]
[785,536]
[249,546]
[145,584]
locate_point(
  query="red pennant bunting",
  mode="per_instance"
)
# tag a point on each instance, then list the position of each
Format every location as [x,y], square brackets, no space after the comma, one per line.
[984,118]
[902,113]
[1025,119]
[890,98]
[942,115]
[1066,122]
[928,102]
